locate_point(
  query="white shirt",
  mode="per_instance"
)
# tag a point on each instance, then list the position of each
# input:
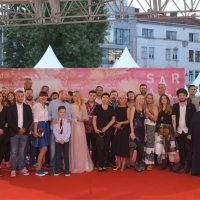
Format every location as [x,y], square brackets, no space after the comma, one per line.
[98,101]
[182,125]
[40,113]
[20,115]
[157,98]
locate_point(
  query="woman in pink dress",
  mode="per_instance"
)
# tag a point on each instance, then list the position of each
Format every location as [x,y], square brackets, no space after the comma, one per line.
[79,156]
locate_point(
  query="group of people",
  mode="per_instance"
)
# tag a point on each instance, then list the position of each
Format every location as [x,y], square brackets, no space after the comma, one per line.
[71,135]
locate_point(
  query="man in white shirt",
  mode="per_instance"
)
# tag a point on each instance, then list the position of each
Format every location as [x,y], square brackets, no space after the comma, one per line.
[162,90]
[99,92]
[20,118]
[183,112]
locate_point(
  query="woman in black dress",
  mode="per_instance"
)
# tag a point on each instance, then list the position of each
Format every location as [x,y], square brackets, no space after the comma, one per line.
[121,135]
[137,117]
[165,141]
[194,130]
[3,128]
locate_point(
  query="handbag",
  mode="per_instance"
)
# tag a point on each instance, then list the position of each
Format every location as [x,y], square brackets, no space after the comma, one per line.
[164,131]
[41,131]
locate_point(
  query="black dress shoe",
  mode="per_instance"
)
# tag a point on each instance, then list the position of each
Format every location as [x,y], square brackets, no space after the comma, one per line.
[187,170]
[180,167]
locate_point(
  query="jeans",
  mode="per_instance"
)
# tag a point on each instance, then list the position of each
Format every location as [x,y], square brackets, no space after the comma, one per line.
[18,146]
[62,150]
[52,151]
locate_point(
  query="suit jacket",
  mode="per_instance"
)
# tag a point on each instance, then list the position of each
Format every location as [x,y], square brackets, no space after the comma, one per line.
[190,110]
[12,118]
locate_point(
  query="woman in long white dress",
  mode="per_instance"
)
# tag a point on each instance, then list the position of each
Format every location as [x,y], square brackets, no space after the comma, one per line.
[79,156]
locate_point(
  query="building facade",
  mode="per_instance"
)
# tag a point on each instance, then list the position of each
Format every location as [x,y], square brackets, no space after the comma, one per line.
[121,34]
[167,42]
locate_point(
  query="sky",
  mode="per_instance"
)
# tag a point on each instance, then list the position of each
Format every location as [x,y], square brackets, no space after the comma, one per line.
[170,6]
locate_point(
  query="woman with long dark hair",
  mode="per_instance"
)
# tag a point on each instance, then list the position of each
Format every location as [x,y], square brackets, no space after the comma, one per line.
[166,129]
[11,98]
[3,129]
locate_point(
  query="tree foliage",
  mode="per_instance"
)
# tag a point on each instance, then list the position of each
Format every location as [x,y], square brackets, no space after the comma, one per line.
[75,45]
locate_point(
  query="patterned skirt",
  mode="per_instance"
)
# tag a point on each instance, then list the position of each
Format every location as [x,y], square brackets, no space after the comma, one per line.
[165,144]
[150,144]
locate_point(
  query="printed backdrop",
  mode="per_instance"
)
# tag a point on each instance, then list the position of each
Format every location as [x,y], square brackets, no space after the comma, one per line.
[85,79]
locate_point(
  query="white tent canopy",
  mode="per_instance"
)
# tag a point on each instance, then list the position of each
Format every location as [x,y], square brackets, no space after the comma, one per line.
[197,81]
[125,61]
[49,60]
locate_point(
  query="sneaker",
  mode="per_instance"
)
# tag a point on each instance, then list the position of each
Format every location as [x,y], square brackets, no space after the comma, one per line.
[39,173]
[51,172]
[67,174]
[62,171]
[56,174]
[13,174]
[45,172]
[33,166]
[24,172]
[25,169]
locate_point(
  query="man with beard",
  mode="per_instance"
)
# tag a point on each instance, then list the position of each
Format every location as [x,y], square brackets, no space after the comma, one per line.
[143,89]
[32,150]
[192,98]
[183,112]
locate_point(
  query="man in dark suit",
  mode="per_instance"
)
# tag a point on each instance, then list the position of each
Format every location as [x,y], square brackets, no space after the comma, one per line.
[20,118]
[183,112]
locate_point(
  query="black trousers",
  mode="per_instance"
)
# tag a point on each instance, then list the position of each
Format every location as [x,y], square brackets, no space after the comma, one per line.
[91,140]
[140,150]
[103,144]
[7,152]
[62,149]
[184,146]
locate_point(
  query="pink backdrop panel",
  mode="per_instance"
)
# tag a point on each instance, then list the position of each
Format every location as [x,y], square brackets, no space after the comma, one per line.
[85,79]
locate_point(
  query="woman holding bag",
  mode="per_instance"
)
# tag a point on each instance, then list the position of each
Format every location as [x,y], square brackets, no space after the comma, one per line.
[41,134]
[165,140]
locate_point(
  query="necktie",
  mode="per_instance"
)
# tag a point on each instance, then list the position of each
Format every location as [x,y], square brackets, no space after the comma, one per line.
[61,128]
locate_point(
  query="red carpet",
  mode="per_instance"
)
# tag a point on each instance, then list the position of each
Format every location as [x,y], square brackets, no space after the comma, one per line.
[105,185]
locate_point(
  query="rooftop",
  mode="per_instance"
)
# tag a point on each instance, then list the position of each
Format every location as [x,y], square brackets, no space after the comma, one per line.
[174,20]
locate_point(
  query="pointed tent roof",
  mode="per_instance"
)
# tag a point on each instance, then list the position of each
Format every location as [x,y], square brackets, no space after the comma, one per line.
[49,60]
[116,61]
[125,61]
[197,81]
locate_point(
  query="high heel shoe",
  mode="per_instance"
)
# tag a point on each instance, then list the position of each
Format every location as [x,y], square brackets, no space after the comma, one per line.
[117,168]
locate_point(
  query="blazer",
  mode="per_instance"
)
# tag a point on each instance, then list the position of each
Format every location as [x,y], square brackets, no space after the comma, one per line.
[12,118]
[190,110]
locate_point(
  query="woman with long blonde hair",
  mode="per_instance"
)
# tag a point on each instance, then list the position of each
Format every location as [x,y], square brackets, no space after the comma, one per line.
[166,128]
[151,115]
[137,117]
[79,156]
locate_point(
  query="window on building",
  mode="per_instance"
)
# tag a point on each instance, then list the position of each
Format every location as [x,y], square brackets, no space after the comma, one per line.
[144,52]
[114,54]
[122,36]
[191,76]
[148,33]
[175,54]
[168,54]
[171,35]
[110,37]
[191,56]
[197,56]
[105,56]
[196,74]
[193,37]
[151,52]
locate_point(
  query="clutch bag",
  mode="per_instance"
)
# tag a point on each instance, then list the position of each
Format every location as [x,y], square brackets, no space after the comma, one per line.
[41,131]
